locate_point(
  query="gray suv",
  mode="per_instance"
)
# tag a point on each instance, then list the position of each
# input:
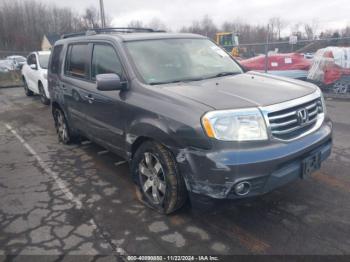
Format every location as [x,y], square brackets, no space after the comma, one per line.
[185,115]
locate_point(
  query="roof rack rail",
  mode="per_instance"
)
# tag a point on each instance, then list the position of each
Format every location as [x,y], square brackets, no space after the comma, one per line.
[95,31]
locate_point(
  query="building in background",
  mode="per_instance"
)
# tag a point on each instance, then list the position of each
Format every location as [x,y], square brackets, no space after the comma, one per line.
[48,41]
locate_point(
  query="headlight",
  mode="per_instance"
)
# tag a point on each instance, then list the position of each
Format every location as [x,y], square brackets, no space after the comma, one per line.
[235,125]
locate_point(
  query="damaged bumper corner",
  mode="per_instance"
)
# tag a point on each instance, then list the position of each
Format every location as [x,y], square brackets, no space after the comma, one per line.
[215,172]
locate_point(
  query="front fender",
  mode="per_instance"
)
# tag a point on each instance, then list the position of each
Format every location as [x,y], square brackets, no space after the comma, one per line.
[152,129]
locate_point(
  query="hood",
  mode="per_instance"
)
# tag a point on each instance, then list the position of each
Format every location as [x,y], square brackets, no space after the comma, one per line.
[244,90]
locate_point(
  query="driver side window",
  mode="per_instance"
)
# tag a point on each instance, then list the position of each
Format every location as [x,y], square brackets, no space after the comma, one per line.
[31,60]
[105,60]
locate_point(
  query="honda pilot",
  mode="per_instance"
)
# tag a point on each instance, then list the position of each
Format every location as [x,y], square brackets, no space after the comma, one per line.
[184,114]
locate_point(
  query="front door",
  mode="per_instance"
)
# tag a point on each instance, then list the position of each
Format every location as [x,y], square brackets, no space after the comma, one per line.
[32,73]
[105,115]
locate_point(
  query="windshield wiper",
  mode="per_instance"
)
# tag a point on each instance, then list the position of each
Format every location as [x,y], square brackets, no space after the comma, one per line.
[223,74]
[194,79]
[226,74]
[177,81]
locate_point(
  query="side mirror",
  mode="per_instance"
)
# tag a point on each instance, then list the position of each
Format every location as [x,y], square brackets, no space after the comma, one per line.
[33,66]
[108,82]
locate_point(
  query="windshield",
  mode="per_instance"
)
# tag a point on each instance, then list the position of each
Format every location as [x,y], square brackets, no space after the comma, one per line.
[44,60]
[173,60]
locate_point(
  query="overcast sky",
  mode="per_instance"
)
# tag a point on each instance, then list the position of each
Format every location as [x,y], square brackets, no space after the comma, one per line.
[178,13]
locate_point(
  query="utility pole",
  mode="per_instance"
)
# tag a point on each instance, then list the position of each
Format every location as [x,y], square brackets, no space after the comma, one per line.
[267,48]
[102,13]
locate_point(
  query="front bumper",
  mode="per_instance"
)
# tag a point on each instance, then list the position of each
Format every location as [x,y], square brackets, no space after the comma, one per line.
[266,165]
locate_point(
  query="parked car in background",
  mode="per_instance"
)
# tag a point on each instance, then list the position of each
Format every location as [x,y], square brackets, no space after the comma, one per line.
[7,65]
[34,75]
[19,61]
[293,65]
[185,116]
[309,55]
[331,69]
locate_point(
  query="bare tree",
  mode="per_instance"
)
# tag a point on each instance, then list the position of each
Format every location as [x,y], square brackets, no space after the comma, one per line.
[204,27]
[277,25]
[311,29]
[91,18]
[136,24]
[157,24]
[23,23]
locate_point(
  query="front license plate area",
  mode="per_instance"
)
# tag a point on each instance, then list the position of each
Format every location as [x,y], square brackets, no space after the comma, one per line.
[311,164]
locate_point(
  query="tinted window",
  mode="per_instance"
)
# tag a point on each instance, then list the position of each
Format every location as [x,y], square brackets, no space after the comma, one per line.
[104,61]
[76,61]
[55,61]
[44,60]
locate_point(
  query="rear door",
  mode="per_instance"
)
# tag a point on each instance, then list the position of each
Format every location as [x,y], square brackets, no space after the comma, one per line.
[75,85]
[54,72]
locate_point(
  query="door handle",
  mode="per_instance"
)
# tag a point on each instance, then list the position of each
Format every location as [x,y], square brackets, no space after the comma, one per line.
[90,99]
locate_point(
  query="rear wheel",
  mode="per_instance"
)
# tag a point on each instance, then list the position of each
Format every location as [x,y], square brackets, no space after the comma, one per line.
[43,97]
[62,127]
[162,186]
[27,91]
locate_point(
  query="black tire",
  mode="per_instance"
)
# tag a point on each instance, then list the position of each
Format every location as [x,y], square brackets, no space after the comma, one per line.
[164,179]
[26,89]
[62,127]
[43,97]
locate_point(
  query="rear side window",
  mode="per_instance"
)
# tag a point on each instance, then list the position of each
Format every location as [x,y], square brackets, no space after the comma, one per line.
[55,59]
[76,61]
[105,60]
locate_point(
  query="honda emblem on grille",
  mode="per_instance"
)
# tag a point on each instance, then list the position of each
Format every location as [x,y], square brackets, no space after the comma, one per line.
[302,116]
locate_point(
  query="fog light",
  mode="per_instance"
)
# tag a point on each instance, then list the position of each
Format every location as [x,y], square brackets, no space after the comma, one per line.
[242,188]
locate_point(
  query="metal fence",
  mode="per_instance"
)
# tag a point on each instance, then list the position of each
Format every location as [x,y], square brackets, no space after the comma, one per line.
[339,88]
[301,46]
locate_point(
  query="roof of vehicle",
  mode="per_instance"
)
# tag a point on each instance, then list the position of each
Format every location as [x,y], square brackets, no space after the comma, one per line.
[150,36]
[129,36]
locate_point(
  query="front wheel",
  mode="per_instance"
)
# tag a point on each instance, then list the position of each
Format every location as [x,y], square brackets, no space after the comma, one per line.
[162,186]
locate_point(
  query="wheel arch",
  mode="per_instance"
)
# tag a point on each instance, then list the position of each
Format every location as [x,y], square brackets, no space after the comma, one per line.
[146,131]
[54,106]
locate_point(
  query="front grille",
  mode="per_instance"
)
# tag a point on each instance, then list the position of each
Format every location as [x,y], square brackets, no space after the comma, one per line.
[291,122]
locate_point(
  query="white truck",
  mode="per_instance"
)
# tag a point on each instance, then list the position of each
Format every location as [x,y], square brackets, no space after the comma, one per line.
[34,75]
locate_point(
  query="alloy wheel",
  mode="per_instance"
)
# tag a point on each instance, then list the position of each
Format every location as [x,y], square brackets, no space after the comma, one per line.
[61,127]
[152,178]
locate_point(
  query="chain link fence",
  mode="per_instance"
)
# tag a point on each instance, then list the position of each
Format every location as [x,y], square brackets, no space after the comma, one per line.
[329,61]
